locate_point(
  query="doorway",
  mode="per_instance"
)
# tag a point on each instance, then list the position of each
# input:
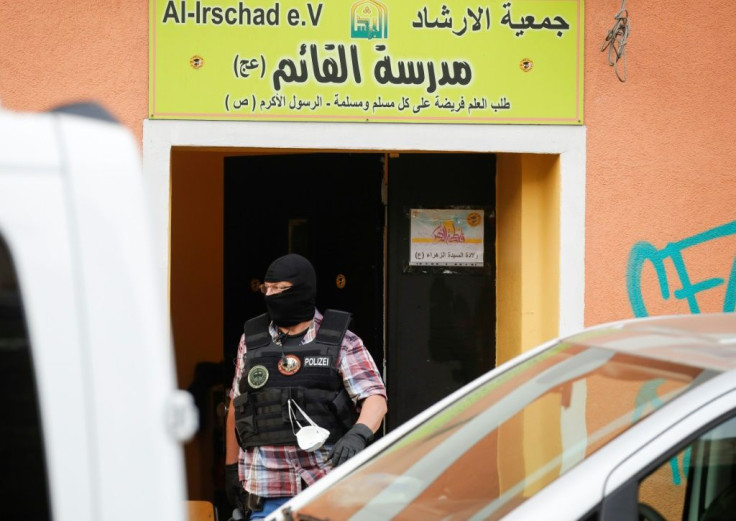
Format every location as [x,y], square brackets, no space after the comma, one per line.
[330,207]
[540,196]
[326,207]
[529,229]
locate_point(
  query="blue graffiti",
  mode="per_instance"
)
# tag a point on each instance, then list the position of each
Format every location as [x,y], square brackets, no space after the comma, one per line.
[644,251]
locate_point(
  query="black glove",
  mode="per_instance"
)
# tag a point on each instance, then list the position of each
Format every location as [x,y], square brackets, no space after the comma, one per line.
[350,444]
[233,487]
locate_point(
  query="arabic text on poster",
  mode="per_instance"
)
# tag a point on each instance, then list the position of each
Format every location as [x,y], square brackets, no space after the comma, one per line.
[451,237]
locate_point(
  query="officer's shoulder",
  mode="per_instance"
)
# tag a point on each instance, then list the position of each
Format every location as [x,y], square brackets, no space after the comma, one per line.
[351,338]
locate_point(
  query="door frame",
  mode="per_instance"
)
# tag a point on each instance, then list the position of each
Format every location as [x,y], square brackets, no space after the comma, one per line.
[568,142]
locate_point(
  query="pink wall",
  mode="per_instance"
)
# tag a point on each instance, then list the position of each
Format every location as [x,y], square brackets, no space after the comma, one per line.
[62,51]
[660,154]
[660,146]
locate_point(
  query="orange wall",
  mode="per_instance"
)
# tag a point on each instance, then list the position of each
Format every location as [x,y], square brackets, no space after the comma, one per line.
[196,292]
[62,51]
[527,252]
[660,151]
[196,288]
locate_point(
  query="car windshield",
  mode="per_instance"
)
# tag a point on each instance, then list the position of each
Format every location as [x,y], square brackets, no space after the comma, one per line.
[495,447]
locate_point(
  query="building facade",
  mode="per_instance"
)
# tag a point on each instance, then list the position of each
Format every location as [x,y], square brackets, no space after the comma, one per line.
[627,214]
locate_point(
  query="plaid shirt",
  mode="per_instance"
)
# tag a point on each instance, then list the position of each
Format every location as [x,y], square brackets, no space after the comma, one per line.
[278,471]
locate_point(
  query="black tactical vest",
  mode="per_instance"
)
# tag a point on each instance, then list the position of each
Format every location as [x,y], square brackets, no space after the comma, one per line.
[308,374]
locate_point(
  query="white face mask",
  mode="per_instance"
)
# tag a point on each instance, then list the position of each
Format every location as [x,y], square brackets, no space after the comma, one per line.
[310,437]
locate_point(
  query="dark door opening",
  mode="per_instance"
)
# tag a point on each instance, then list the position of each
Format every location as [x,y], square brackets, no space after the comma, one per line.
[439,328]
[326,207]
[441,319]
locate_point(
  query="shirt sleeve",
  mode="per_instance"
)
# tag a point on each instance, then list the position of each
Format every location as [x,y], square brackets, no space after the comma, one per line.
[359,371]
[239,367]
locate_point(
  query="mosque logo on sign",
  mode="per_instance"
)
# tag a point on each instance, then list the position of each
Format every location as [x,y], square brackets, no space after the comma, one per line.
[369,20]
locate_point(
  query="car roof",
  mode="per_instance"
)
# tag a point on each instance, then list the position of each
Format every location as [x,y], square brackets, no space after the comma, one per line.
[706,341]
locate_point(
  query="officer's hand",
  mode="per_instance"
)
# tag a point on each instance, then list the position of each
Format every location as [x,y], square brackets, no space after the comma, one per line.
[350,444]
[233,487]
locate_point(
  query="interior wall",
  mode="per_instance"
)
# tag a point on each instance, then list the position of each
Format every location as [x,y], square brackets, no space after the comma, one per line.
[541,235]
[528,252]
[196,292]
[528,287]
[508,256]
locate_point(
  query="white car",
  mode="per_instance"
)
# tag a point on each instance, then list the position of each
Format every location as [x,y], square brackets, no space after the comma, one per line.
[626,421]
[92,423]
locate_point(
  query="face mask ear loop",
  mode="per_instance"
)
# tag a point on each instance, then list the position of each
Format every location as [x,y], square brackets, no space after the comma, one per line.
[304,414]
[292,415]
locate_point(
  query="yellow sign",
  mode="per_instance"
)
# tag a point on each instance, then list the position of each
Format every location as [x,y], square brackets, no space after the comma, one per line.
[444,61]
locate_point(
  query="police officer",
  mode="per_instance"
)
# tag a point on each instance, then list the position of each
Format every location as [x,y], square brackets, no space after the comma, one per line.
[301,379]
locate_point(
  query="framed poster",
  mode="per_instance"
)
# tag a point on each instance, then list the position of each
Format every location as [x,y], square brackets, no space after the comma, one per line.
[446,237]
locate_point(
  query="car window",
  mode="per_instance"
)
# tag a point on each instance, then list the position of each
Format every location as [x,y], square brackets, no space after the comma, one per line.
[497,446]
[23,481]
[696,484]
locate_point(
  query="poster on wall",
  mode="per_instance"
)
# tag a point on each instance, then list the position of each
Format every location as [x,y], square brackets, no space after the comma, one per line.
[448,237]
[430,61]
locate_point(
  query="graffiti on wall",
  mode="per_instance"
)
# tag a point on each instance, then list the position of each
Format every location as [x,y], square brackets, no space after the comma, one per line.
[644,252]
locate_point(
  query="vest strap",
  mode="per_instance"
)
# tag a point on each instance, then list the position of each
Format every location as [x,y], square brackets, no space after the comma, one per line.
[256,332]
[333,327]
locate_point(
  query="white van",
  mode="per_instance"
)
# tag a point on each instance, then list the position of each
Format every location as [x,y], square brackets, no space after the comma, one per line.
[92,423]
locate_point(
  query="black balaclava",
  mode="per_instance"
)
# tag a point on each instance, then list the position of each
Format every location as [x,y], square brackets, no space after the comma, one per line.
[296,304]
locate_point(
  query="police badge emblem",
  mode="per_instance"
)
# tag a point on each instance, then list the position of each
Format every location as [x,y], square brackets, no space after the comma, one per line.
[257,376]
[289,364]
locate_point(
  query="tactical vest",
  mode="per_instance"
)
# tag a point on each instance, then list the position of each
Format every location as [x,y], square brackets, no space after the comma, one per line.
[267,383]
